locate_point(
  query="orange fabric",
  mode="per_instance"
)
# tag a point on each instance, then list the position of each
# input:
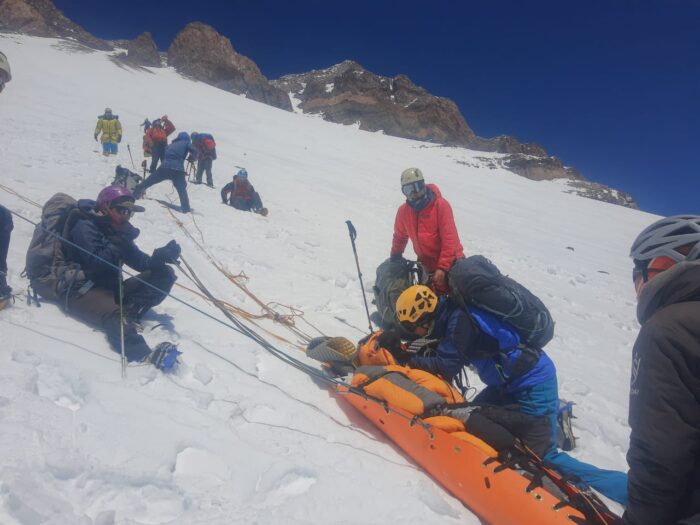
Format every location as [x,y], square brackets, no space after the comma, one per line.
[478,443]
[446,423]
[155,135]
[432,231]
[392,394]
[372,354]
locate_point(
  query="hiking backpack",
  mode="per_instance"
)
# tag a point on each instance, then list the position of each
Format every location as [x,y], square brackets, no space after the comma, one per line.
[126,178]
[393,277]
[475,281]
[46,267]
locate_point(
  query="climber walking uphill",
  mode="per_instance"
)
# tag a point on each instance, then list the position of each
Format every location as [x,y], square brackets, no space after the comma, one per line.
[111,129]
[426,218]
[155,139]
[514,373]
[6,226]
[664,408]
[241,194]
[206,155]
[173,169]
[81,274]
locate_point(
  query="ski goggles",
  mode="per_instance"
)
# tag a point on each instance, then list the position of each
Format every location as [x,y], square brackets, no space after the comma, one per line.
[124,211]
[413,187]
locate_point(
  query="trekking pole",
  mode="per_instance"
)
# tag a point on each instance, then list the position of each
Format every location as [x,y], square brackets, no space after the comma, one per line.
[353,235]
[128,146]
[121,322]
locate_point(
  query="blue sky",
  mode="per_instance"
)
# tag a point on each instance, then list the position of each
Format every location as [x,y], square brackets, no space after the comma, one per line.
[612,87]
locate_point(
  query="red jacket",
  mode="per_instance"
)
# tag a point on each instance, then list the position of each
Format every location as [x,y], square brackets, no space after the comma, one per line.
[432,232]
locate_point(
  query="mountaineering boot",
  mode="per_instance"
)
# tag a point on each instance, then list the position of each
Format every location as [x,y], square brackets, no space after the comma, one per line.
[5,292]
[565,434]
[260,211]
[164,356]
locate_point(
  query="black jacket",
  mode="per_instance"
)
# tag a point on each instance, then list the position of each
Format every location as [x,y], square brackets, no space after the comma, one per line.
[664,453]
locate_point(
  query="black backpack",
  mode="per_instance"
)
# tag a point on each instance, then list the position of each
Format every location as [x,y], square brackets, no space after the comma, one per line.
[126,178]
[475,281]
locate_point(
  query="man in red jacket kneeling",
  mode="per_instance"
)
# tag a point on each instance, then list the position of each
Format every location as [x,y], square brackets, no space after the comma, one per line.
[426,218]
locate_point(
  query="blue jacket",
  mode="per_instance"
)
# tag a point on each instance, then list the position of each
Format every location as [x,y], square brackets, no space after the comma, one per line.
[177,152]
[94,233]
[477,338]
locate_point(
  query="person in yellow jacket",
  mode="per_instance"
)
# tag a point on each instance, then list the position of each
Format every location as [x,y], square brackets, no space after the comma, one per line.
[111,130]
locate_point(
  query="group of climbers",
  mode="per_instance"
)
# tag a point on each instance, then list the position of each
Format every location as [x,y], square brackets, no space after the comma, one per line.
[664,477]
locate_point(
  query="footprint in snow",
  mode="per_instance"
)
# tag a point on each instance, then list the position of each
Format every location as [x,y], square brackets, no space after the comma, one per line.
[289,484]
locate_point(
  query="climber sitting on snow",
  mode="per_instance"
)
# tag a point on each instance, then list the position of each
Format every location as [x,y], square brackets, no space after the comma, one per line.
[514,374]
[241,195]
[85,280]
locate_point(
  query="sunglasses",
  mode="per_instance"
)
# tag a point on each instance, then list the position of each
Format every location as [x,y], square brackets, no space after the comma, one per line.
[413,187]
[124,212]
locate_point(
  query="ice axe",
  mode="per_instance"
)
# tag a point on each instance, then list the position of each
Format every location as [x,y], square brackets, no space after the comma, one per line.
[353,235]
[128,146]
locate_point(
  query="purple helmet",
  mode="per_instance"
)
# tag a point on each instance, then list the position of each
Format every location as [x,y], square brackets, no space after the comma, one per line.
[111,193]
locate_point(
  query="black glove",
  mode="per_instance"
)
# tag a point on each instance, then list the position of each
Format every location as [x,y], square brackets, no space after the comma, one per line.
[396,257]
[167,254]
[391,340]
[95,138]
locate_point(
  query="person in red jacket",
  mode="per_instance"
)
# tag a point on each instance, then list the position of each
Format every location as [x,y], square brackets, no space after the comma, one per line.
[426,218]
[156,139]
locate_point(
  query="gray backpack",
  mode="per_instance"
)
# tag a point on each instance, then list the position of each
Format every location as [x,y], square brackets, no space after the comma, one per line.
[393,277]
[50,274]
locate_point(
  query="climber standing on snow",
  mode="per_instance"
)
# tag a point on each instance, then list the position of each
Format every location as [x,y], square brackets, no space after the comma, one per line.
[173,169]
[664,408]
[206,155]
[111,129]
[6,226]
[426,218]
[155,140]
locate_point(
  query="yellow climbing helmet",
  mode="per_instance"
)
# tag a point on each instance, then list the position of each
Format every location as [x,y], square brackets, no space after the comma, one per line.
[415,304]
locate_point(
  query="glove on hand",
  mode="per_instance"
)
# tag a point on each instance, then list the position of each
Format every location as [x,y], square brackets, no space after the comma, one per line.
[119,138]
[95,138]
[391,340]
[167,254]
[395,257]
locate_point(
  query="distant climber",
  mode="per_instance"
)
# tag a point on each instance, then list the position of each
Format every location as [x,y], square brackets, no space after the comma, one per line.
[206,155]
[426,218]
[111,129]
[173,169]
[241,194]
[155,139]
[5,72]
[6,226]
[81,275]
[664,403]
[514,374]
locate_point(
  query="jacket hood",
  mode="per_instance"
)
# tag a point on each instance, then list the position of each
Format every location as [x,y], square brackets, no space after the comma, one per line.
[434,189]
[678,284]
[183,135]
[108,117]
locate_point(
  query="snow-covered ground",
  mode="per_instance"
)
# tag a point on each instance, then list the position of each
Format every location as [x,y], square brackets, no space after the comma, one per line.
[236,436]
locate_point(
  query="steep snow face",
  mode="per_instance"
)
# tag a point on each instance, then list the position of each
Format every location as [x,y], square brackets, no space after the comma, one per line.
[236,436]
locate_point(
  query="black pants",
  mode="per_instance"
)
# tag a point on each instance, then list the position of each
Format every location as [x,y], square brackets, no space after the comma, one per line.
[6,226]
[99,307]
[202,166]
[157,155]
[178,180]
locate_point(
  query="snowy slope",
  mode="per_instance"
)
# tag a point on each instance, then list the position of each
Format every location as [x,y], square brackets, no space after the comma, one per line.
[237,436]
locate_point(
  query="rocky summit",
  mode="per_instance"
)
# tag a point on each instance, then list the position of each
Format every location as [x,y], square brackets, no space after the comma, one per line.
[42,18]
[143,51]
[200,52]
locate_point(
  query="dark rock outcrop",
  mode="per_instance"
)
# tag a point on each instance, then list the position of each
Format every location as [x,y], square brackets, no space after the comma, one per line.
[539,168]
[349,94]
[200,52]
[142,51]
[42,18]
[601,192]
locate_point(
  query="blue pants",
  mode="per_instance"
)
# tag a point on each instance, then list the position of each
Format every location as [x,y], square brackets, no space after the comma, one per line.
[109,148]
[543,400]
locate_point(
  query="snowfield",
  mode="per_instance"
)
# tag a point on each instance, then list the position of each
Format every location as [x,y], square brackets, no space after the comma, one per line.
[237,436]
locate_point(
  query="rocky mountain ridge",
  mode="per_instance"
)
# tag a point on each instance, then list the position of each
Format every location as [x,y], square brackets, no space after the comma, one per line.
[345,93]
